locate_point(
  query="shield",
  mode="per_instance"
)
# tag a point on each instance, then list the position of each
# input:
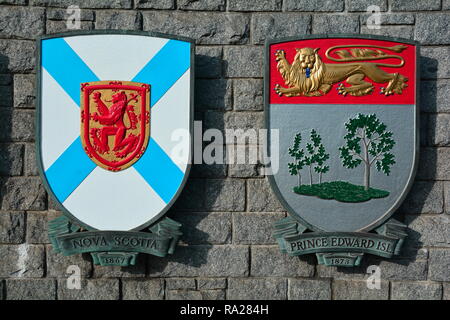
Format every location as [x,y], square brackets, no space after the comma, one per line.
[130,94]
[346,111]
[126,121]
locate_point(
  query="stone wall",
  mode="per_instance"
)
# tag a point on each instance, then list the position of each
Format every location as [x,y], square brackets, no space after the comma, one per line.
[227,251]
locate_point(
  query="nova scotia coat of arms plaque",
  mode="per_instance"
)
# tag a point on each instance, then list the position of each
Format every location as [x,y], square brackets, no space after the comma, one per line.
[346,111]
[109,103]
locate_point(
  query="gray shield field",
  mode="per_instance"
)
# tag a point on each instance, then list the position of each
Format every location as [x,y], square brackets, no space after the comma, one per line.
[329,122]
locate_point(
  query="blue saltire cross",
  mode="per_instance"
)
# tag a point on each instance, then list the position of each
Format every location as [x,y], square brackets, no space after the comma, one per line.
[155,166]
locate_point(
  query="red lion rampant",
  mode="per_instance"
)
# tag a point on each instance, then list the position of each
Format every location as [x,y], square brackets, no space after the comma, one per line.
[113,121]
[115,132]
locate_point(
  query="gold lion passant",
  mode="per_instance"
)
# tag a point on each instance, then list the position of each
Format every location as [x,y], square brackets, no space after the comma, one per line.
[309,76]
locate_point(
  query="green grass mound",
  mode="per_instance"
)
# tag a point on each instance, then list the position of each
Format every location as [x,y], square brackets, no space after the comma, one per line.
[340,191]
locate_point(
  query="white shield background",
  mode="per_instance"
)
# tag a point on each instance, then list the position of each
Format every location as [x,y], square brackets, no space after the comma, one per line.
[136,196]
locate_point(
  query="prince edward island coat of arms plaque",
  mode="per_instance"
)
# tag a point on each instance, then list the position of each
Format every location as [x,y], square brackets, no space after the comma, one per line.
[346,111]
[109,103]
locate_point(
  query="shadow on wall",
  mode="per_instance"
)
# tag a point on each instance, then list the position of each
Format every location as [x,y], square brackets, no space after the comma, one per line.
[195,201]
[415,202]
[203,186]
[197,197]
[7,152]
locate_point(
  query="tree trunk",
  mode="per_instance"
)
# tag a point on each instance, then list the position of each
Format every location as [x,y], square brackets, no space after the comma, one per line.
[310,176]
[320,177]
[366,177]
[366,165]
[299,179]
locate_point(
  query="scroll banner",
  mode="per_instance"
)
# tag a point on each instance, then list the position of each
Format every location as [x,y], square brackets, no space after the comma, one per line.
[114,247]
[318,242]
[114,241]
[293,240]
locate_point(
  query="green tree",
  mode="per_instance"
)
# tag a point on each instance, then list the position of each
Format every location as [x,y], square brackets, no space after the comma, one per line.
[368,142]
[316,155]
[321,157]
[297,153]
